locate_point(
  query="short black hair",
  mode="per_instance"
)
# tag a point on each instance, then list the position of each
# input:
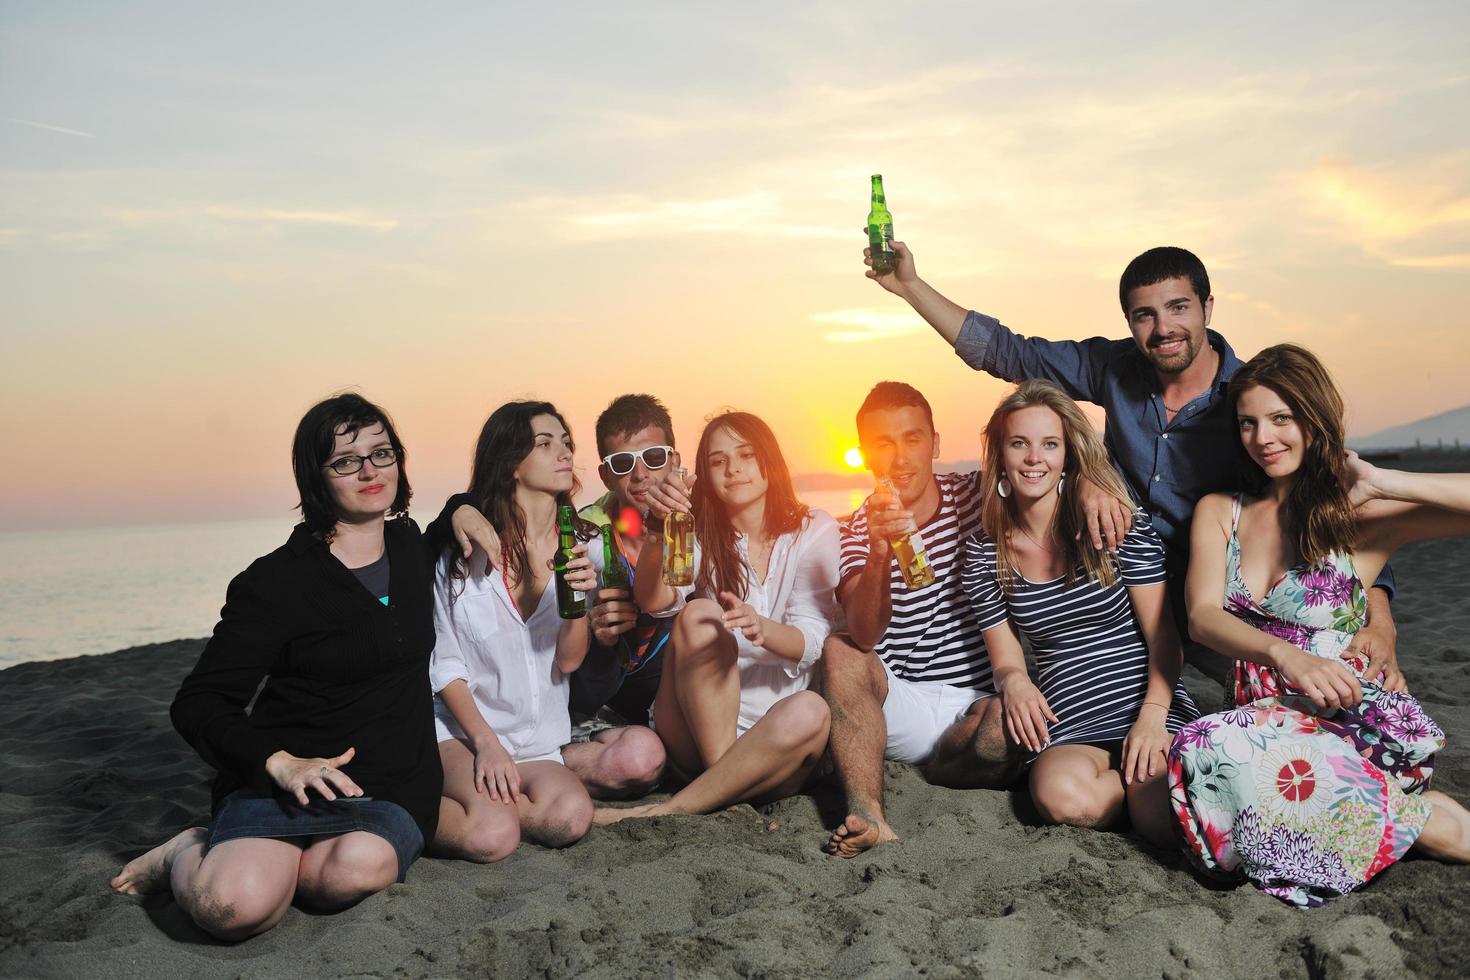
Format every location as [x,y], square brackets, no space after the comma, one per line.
[894,394]
[1158,264]
[316,435]
[627,414]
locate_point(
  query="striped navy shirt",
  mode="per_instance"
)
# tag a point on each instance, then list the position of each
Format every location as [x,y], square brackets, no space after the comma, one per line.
[1091,660]
[933,634]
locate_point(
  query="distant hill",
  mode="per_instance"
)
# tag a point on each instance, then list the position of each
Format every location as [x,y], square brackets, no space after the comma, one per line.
[1446,427]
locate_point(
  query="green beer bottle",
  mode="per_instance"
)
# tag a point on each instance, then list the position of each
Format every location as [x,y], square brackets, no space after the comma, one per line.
[880,230]
[570,603]
[615,576]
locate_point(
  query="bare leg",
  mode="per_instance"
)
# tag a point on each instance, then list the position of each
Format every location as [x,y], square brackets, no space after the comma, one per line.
[706,680]
[1149,809]
[554,807]
[340,870]
[855,686]
[974,752]
[771,761]
[472,826]
[1076,785]
[618,763]
[1446,837]
[149,873]
[239,889]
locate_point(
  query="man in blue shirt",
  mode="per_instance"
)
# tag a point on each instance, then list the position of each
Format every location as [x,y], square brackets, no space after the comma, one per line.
[1169,427]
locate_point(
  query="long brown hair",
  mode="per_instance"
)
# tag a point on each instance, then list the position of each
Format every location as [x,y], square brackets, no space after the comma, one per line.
[1085,457]
[505,439]
[720,569]
[1319,515]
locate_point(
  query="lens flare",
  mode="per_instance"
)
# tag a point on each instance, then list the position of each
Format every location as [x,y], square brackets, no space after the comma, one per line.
[630,522]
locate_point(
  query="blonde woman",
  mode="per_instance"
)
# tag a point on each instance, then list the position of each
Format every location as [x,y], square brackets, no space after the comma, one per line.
[1106,700]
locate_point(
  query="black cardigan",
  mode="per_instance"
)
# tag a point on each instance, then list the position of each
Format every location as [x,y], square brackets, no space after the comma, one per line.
[341,669]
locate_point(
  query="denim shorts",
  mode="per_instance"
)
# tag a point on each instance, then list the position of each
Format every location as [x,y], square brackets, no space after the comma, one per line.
[243,814]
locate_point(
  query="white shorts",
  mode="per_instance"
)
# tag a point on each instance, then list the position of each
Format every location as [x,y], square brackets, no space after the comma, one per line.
[918,712]
[445,728]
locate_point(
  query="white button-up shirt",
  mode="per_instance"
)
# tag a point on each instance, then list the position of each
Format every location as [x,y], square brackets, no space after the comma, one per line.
[509,663]
[799,590]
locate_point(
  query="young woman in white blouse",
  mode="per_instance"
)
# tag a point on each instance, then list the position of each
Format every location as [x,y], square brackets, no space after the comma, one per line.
[502,652]
[733,707]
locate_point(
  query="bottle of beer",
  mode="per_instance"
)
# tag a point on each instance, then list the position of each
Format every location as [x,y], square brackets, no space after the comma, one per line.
[679,544]
[908,548]
[880,230]
[570,603]
[615,576]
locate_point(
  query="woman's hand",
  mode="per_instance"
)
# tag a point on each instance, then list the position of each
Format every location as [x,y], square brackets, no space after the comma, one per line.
[580,574]
[1026,711]
[1328,683]
[495,770]
[295,775]
[470,529]
[742,616]
[612,616]
[1146,744]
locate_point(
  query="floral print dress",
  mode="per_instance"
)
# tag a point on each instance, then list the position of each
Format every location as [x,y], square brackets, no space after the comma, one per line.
[1304,803]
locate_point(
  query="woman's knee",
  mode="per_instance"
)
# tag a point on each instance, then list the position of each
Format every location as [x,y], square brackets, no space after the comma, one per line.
[698,627]
[492,838]
[1064,797]
[636,760]
[237,905]
[564,819]
[803,719]
[355,866]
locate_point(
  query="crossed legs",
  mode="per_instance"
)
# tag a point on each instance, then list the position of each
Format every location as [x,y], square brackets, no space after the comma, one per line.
[242,887]
[554,809]
[697,712]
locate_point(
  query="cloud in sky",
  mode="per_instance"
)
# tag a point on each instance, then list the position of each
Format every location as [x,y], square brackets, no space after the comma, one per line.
[858,326]
[48,127]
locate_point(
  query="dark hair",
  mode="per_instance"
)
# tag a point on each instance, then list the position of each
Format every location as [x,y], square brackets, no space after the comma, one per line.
[505,439]
[1318,516]
[1158,264]
[627,414]
[894,394]
[721,569]
[316,435]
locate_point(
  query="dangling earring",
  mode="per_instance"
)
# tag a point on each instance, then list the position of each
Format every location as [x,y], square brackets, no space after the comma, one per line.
[1059,482]
[1003,487]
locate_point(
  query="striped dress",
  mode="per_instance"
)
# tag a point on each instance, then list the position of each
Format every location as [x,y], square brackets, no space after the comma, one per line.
[932,635]
[1091,659]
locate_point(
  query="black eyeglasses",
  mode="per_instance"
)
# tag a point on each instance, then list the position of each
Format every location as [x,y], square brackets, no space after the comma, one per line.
[348,465]
[654,457]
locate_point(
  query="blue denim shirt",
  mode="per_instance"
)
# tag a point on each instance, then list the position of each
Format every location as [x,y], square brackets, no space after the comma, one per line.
[1168,465]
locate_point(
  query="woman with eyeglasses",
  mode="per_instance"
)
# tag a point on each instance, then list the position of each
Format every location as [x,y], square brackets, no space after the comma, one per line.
[329,787]
[503,654]
[733,706]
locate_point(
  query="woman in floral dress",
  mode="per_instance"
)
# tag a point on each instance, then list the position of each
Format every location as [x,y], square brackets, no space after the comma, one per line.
[1318,778]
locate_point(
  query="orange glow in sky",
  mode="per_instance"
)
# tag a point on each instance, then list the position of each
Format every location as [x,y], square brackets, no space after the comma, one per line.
[206,230]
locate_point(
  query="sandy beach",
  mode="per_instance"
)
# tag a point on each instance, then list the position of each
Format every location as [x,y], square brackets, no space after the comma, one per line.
[91,774]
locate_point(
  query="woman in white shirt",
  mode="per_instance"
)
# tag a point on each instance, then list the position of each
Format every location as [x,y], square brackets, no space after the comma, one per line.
[733,707]
[502,653]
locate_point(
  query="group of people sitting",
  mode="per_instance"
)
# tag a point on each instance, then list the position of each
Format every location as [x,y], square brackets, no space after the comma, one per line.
[419,688]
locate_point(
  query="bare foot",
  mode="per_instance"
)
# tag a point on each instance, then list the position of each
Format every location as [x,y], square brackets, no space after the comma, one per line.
[605,816]
[856,834]
[148,872]
[1446,837]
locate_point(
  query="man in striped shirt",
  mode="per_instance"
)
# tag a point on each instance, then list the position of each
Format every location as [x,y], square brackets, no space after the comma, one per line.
[926,698]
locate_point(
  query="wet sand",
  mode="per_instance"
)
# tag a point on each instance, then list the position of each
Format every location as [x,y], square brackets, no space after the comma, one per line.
[91,774]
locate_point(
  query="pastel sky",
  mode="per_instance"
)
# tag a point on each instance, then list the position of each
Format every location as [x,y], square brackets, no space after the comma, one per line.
[213,215]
